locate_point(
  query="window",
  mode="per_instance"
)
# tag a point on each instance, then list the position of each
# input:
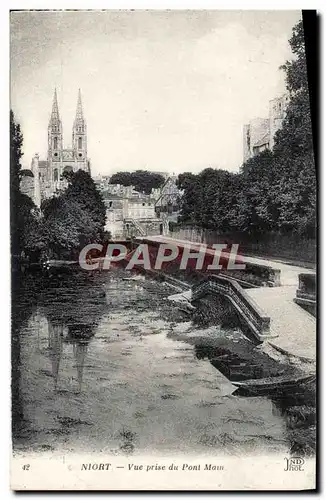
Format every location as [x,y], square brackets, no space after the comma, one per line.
[80,143]
[55,175]
[55,143]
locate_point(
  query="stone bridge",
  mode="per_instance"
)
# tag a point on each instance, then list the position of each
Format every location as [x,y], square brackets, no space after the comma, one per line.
[270,311]
[254,317]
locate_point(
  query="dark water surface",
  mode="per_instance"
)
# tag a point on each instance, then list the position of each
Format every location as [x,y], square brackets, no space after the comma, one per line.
[105,364]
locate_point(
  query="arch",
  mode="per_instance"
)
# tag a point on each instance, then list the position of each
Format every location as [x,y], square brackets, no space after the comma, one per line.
[80,143]
[55,143]
[55,174]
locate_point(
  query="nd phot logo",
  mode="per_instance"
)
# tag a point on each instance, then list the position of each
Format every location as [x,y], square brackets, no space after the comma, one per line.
[294,464]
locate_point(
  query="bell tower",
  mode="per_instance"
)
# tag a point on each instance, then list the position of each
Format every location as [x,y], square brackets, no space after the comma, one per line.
[79,136]
[54,143]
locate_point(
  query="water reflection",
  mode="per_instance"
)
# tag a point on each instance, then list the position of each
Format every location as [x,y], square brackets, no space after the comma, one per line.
[78,336]
[55,348]
[69,308]
[109,365]
[80,351]
[21,311]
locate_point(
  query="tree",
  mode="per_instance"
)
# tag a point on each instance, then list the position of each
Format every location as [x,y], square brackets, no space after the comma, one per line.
[189,185]
[29,221]
[66,227]
[259,204]
[16,143]
[293,149]
[123,178]
[23,212]
[142,180]
[208,199]
[74,218]
[82,189]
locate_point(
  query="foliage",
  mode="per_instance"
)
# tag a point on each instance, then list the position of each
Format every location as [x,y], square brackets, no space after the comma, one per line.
[293,149]
[16,143]
[66,226]
[82,189]
[75,218]
[28,220]
[188,183]
[23,213]
[142,180]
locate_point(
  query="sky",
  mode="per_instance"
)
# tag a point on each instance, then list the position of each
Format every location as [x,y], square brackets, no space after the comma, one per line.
[164,91]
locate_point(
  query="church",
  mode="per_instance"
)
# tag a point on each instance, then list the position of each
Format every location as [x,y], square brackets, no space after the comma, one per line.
[45,177]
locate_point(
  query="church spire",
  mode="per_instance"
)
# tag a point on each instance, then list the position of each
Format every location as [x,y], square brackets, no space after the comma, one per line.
[79,119]
[79,135]
[55,109]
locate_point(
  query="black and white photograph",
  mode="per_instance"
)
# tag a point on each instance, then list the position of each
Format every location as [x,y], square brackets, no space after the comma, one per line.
[163,198]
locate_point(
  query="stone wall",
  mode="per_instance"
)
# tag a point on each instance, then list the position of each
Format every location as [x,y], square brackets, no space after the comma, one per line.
[273,245]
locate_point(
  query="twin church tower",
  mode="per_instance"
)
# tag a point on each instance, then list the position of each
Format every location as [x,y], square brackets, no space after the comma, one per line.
[48,174]
[62,159]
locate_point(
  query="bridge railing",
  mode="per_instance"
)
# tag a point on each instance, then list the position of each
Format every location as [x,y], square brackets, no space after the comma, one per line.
[251,313]
[306,293]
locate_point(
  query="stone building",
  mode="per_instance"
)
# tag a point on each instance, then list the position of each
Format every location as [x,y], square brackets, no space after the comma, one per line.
[277,112]
[259,134]
[256,137]
[129,212]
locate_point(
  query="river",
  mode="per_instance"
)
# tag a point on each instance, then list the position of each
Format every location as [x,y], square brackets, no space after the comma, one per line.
[102,363]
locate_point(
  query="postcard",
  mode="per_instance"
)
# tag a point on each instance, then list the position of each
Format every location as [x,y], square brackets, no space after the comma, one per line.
[163,250]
